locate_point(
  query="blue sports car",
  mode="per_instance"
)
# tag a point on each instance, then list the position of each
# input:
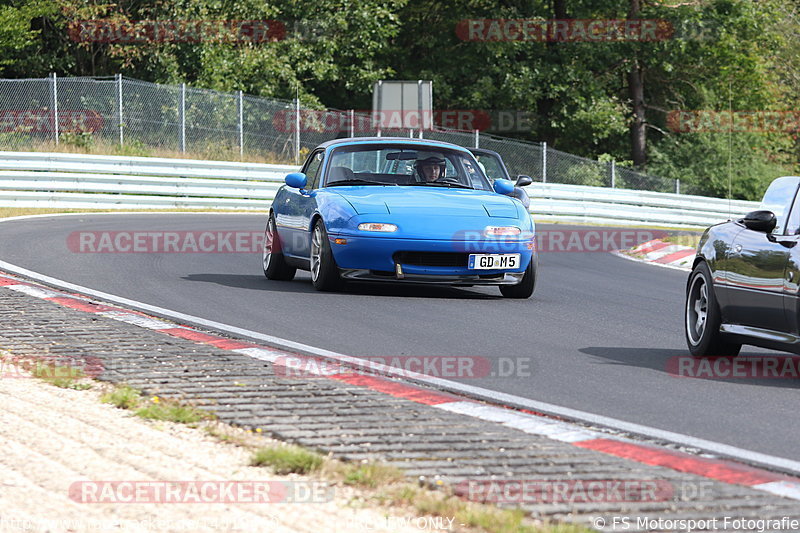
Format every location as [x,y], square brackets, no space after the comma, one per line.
[398,209]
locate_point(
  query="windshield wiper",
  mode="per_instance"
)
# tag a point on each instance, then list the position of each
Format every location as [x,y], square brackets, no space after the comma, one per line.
[440,184]
[356,181]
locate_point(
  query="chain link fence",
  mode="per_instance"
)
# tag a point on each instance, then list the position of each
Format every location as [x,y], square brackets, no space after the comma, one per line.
[37,113]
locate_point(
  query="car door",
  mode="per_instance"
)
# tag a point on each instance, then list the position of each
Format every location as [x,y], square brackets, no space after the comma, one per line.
[791,279]
[756,265]
[298,208]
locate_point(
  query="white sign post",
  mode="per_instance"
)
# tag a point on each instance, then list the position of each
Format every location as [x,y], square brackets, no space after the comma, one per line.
[402,105]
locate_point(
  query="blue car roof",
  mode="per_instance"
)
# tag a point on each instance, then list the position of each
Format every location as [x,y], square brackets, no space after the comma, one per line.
[391,140]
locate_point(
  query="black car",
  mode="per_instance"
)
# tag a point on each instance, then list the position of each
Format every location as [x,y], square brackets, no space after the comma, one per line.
[494,168]
[744,287]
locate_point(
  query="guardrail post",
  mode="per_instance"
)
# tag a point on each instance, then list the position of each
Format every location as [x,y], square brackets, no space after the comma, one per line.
[119,109]
[613,173]
[544,162]
[182,113]
[297,130]
[54,106]
[477,139]
[677,186]
[241,123]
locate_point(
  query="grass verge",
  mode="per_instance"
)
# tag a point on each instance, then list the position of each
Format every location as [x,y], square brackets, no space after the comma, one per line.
[288,459]
[685,239]
[375,484]
[65,377]
[215,152]
[126,397]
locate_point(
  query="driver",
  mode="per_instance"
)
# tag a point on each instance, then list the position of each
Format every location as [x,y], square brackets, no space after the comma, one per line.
[431,168]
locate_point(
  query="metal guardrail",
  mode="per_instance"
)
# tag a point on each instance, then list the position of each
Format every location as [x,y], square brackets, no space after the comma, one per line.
[77,181]
[601,205]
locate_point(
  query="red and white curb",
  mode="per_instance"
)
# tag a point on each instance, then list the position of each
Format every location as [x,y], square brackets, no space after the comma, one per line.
[661,253]
[531,422]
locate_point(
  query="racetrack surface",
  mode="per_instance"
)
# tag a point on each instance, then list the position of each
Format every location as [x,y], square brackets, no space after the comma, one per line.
[599,331]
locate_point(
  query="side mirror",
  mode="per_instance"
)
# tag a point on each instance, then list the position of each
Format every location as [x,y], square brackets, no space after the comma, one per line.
[523,180]
[763,221]
[502,186]
[296,180]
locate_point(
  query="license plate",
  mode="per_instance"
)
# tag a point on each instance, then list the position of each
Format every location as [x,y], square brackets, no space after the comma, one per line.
[493,261]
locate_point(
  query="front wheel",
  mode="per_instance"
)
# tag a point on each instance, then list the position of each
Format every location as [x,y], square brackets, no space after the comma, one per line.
[703,318]
[523,289]
[324,272]
[272,259]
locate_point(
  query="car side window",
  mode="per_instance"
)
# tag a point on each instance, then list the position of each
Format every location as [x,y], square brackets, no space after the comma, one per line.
[312,169]
[778,199]
[492,166]
[793,226]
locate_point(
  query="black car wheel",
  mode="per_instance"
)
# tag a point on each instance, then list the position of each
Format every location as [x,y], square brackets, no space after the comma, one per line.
[324,272]
[703,318]
[523,289]
[272,259]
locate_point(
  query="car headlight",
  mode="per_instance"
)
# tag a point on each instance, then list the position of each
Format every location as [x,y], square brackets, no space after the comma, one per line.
[377,226]
[502,231]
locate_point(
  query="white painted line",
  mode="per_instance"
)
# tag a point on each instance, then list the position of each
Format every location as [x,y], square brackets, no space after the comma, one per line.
[261,354]
[535,425]
[619,253]
[663,252]
[34,291]
[786,489]
[138,320]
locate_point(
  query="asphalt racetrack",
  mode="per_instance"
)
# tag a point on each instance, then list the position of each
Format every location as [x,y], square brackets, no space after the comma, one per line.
[600,333]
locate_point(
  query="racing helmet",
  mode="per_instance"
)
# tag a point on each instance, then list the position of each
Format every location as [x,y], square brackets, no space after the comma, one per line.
[429,159]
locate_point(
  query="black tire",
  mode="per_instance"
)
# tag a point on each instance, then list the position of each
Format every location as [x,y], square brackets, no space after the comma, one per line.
[324,272]
[272,260]
[702,317]
[523,289]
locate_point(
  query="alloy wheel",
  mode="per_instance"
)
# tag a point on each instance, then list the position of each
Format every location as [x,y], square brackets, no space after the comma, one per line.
[697,310]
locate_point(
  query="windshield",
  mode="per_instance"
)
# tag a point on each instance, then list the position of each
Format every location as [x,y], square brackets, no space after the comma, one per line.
[490,164]
[405,165]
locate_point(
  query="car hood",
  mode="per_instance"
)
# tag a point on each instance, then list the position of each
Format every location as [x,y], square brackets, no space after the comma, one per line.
[428,201]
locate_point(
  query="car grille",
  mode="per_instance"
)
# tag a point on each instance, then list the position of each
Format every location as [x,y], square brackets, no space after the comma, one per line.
[439,259]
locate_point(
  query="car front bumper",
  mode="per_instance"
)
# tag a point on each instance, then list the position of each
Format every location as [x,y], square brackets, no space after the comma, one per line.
[507,278]
[380,259]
